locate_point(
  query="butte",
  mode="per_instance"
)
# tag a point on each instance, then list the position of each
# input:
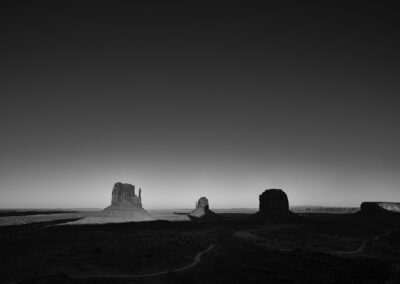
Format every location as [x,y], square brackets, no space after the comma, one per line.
[202,211]
[125,206]
[274,207]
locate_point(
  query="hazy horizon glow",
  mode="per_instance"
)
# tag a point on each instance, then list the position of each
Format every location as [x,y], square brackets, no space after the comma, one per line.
[197,100]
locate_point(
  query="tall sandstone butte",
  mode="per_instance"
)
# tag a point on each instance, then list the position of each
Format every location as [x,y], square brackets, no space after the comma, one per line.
[125,206]
[123,195]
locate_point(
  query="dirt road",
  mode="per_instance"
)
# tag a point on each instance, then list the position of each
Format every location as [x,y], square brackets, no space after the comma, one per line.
[197,259]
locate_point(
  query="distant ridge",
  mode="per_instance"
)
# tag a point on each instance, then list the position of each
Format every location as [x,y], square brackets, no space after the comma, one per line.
[379,208]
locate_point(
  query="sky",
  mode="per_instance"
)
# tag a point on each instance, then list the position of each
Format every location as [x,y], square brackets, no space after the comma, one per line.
[189,99]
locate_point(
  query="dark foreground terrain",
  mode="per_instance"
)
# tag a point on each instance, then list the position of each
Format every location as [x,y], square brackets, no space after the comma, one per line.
[321,248]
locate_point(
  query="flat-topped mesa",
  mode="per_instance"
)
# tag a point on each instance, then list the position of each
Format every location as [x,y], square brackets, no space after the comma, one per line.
[123,195]
[380,207]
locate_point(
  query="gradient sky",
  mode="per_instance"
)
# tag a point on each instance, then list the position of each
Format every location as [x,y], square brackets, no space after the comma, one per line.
[198,99]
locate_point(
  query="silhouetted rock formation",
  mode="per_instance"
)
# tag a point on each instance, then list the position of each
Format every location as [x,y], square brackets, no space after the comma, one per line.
[202,210]
[274,206]
[274,200]
[380,208]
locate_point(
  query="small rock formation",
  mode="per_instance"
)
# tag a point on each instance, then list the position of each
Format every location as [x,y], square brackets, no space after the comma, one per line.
[379,208]
[274,206]
[202,210]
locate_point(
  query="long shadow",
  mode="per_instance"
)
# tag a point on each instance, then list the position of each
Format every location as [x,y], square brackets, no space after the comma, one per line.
[9,213]
[35,226]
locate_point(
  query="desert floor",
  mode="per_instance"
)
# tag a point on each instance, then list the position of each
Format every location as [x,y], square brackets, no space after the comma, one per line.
[321,248]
